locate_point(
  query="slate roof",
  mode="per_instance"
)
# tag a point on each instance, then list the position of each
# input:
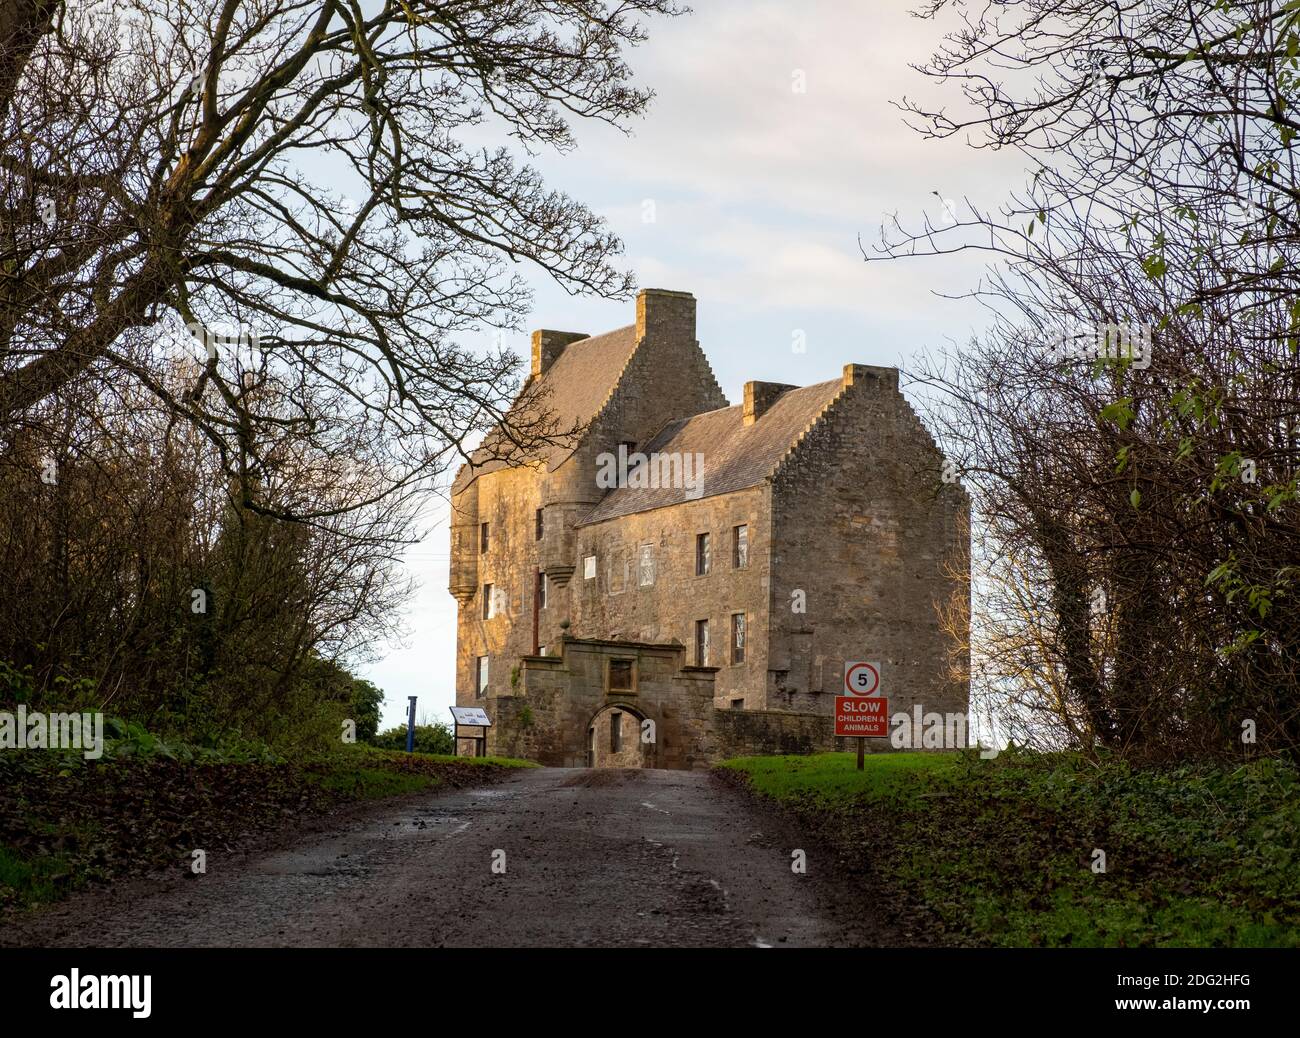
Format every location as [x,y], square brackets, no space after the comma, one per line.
[735,455]
[573,389]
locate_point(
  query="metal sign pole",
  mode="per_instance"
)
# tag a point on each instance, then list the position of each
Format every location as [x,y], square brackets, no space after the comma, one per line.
[410,726]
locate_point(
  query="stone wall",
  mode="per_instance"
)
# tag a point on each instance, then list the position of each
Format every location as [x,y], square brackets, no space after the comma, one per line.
[874,547]
[754,733]
[560,699]
[615,605]
[507,500]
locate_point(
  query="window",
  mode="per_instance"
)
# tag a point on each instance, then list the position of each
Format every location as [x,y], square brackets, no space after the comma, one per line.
[481,675]
[740,547]
[620,675]
[589,568]
[541,525]
[542,586]
[737,637]
[737,704]
[482,538]
[541,650]
[489,602]
[646,566]
[615,732]
[701,643]
[702,554]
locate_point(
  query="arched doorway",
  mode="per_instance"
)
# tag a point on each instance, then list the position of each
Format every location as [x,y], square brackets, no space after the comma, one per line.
[614,739]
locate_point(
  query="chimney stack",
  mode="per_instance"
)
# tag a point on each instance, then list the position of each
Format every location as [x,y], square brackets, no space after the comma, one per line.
[759,396]
[663,314]
[548,345]
[862,374]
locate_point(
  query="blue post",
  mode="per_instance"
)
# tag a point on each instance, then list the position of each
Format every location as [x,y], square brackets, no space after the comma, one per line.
[410,726]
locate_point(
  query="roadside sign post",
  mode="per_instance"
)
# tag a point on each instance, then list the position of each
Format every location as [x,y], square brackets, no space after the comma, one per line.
[862,712]
[410,725]
[470,717]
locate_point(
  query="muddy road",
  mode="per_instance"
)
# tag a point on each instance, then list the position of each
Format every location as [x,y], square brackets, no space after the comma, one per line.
[549,857]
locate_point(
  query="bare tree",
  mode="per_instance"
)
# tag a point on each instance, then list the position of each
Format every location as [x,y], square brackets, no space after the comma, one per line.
[1152,494]
[163,188]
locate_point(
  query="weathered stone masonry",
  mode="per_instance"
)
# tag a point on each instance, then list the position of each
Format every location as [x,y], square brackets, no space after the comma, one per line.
[853,547]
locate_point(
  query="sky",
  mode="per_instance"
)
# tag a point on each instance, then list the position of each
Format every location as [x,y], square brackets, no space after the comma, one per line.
[774,143]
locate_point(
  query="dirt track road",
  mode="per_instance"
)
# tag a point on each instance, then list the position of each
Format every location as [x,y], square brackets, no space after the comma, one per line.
[592,858]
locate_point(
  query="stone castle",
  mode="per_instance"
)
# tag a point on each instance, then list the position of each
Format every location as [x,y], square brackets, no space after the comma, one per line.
[679,580]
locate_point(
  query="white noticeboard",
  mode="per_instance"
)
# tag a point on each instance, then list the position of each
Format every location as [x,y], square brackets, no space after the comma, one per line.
[472,715]
[862,678]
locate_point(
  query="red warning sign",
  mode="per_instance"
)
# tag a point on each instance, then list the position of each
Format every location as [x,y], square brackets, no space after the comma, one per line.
[866,716]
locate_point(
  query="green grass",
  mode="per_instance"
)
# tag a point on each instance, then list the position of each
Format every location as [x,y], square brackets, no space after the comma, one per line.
[1001,851]
[833,777]
[362,749]
[34,879]
[367,773]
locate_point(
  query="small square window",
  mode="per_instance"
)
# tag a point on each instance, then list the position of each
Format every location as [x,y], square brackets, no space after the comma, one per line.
[620,675]
[703,556]
[737,704]
[481,676]
[589,568]
[541,650]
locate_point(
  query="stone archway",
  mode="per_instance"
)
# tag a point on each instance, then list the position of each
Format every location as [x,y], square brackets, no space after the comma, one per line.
[614,738]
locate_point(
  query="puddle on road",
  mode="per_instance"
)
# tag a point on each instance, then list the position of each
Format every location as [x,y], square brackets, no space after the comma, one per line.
[426,825]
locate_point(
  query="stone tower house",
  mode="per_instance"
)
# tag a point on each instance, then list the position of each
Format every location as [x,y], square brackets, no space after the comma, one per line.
[681,580]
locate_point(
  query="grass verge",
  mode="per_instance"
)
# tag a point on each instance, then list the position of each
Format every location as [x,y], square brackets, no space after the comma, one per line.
[1003,851]
[66,821]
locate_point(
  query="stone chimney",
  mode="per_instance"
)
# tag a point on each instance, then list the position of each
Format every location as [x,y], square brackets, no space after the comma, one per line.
[759,396]
[870,375]
[662,314]
[548,345]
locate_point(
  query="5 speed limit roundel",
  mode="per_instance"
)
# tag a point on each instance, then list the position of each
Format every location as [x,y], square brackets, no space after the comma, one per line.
[861,678]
